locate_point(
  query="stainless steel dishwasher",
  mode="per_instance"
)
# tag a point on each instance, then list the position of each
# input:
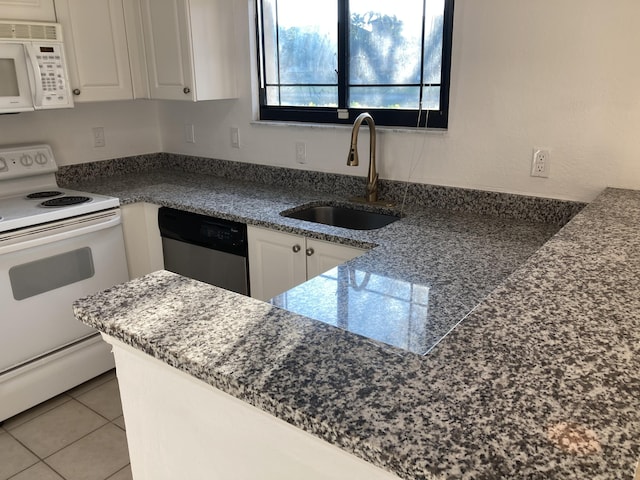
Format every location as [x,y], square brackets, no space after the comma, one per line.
[204,248]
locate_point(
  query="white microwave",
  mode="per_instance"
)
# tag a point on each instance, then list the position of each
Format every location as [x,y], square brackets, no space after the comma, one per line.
[33,71]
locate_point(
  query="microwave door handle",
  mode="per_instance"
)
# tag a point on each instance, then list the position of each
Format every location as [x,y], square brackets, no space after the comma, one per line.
[35,77]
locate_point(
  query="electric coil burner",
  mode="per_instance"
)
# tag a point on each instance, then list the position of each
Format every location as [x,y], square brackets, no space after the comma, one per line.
[65,201]
[47,194]
[27,176]
[56,245]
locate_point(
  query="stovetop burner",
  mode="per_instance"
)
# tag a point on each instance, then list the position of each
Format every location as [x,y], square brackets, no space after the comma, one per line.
[45,194]
[65,201]
[30,195]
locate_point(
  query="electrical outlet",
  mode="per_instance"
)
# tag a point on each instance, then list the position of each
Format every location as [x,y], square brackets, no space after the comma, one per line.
[540,163]
[235,137]
[189,133]
[301,152]
[98,137]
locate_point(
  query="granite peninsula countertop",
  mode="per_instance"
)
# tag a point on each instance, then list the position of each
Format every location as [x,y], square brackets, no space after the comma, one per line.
[539,381]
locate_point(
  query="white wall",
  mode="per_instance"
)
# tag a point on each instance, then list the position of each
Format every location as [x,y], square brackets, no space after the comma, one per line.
[131,128]
[559,75]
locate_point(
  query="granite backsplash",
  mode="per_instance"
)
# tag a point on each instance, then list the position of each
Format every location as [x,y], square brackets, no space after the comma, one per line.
[505,205]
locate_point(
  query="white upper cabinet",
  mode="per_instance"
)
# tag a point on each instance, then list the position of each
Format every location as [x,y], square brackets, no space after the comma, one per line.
[190,49]
[104,49]
[36,10]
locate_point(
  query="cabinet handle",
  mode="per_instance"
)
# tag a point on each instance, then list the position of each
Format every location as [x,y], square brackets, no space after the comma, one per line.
[186,90]
[76,91]
[296,248]
[310,251]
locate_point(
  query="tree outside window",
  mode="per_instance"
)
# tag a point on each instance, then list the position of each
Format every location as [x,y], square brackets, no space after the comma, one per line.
[387,57]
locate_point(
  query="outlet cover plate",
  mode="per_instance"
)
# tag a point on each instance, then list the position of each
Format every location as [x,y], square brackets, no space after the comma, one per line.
[540,163]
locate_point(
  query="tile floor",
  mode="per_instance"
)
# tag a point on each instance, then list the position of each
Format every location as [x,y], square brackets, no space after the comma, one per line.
[78,435]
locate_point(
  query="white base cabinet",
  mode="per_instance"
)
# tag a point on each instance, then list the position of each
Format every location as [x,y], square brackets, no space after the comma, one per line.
[178,427]
[142,242]
[279,261]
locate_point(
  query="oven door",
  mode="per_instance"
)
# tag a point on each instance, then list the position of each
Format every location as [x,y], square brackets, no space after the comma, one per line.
[42,271]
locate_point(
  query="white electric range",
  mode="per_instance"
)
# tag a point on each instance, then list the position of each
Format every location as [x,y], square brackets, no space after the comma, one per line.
[56,245]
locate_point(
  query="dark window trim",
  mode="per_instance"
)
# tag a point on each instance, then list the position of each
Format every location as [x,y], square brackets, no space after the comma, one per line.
[437,119]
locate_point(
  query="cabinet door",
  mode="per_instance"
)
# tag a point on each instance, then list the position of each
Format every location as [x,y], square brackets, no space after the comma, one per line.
[277,262]
[96,45]
[214,47]
[168,49]
[33,10]
[142,242]
[323,256]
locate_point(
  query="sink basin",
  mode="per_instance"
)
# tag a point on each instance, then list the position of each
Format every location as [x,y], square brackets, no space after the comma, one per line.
[342,216]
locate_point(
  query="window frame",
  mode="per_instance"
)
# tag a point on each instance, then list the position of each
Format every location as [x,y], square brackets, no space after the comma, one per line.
[432,119]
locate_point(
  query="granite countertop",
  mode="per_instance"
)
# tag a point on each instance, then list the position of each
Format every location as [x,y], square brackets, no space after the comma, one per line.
[425,271]
[539,381]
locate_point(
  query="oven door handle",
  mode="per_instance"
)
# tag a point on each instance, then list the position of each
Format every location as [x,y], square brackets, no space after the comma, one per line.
[58,231]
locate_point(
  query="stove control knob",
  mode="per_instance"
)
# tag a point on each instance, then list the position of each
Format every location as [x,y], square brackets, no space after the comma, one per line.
[3,165]
[26,160]
[41,158]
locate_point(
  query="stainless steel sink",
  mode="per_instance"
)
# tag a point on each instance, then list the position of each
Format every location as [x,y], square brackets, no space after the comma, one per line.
[342,216]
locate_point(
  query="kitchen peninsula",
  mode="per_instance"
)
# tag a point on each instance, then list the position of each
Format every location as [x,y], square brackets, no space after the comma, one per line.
[540,380]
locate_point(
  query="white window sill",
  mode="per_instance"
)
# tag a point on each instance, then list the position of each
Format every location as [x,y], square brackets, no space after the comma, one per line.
[342,126]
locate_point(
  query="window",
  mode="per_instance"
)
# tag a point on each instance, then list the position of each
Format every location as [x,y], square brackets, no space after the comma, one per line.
[328,61]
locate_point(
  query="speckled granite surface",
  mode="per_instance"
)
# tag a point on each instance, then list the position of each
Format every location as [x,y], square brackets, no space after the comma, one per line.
[433,265]
[427,272]
[540,381]
[534,209]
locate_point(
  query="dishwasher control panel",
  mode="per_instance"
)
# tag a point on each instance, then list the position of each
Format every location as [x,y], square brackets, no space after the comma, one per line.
[222,233]
[211,250]
[209,232]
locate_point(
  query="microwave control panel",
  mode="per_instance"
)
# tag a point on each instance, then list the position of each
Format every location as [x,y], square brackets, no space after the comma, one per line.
[52,74]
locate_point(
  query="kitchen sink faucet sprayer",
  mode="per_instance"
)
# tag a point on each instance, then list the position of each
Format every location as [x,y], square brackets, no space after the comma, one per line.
[371,194]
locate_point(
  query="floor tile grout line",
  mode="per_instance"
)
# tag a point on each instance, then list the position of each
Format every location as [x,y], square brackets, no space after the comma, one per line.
[64,394]
[75,441]
[94,411]
[95,386]
[44,458]
[26,468]
[56,471]
[70,398]
[40,460]
[112,422]
[115,473]
[58,406]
